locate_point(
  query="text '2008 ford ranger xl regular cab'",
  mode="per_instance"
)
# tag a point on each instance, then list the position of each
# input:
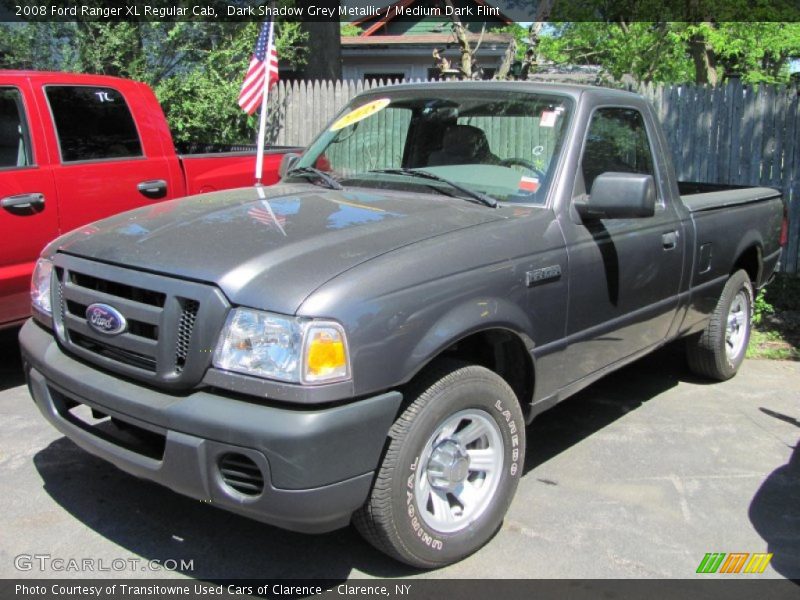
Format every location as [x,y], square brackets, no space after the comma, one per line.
[77,148]
[367,340]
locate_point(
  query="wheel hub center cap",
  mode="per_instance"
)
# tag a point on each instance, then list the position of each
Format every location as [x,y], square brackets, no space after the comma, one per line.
[448,465]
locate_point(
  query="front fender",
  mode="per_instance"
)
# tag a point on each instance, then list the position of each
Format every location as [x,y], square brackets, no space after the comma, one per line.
[463,320]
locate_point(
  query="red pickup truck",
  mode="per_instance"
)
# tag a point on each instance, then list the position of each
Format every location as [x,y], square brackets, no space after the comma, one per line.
[78,148]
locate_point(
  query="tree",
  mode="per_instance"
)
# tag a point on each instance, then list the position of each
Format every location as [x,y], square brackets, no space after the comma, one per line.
[195,68]
[349,30]
[669,40]
[324,60]
[645,51]
[525,42]
[677,52]
[200,104]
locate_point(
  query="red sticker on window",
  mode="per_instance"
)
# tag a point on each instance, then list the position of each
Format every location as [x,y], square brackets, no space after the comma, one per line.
[548,118]
[529,184]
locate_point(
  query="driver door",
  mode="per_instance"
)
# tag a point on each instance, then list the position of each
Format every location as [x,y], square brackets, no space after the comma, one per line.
[624,274]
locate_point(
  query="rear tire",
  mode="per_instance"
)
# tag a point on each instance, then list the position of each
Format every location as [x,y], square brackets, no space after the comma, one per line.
[718,352]
[452,465]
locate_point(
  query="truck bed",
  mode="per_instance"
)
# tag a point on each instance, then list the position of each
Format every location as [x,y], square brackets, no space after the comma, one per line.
[215,167]
[699,197]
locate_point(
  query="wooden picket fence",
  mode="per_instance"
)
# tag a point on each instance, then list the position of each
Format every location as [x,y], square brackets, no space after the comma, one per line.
[734,133]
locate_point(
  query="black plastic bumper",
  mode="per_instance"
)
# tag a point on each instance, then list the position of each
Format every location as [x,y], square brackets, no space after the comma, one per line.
[317,465]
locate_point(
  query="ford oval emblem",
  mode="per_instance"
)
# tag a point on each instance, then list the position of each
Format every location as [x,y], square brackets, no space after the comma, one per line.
[105,319]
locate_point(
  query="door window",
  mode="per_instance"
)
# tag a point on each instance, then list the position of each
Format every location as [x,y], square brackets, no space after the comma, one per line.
[15,145]
[93,123]
[617,141]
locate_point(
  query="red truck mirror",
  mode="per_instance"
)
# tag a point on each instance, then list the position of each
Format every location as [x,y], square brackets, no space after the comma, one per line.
[287,162]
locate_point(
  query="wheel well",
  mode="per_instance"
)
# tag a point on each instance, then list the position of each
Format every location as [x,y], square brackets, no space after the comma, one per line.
[750,261]
[503,352]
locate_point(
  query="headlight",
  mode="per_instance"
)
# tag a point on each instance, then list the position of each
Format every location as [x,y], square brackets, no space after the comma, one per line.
[284,348]
[40,285]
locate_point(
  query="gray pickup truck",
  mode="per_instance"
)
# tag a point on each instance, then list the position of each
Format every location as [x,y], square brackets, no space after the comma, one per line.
[367,340]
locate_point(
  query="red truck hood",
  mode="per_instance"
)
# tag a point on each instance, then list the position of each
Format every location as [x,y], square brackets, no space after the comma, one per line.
[270,247]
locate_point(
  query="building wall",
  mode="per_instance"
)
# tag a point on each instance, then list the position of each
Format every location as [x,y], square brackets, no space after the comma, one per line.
[412,63]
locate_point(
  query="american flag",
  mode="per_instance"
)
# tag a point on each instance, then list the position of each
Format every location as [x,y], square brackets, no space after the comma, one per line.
[263,213]
[263,67]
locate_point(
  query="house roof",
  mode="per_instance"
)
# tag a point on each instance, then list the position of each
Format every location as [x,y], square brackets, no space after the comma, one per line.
[512,10]
[432,39]
[374,24]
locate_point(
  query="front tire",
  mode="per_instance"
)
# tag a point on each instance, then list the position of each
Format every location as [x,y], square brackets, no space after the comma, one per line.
[453,462]
[718,352]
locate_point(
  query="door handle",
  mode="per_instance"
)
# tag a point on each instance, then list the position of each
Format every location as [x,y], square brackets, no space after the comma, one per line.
[154,189]
[670,240]
[30,203]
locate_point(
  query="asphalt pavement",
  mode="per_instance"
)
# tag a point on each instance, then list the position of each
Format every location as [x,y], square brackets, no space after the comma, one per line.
[638,476]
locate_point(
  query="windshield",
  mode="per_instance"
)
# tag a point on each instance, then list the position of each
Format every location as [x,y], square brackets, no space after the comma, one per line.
[498,143]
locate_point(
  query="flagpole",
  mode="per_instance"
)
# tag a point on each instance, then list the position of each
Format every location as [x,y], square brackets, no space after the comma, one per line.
[262,125]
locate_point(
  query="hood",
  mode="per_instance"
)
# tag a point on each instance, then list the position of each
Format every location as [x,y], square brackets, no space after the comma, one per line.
[270,247]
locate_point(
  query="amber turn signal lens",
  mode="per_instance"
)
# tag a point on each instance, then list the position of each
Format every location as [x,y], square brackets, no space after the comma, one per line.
[326,355]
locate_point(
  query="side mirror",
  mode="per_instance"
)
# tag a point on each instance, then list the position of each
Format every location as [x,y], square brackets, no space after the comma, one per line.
[619,196]
[287,162]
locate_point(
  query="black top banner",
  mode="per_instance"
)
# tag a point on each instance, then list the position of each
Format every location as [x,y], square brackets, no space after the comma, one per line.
[353,10]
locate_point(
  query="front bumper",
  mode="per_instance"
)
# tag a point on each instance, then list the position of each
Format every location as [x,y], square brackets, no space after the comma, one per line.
[317,465]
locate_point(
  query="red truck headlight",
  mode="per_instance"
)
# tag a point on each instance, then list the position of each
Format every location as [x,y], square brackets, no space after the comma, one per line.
[40,286]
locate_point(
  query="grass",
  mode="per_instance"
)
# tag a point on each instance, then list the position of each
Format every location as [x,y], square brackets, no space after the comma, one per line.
[770,345]
[776,331]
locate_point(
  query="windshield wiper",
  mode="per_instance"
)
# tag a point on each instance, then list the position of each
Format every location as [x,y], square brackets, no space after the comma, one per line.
[316,174]
[473,196]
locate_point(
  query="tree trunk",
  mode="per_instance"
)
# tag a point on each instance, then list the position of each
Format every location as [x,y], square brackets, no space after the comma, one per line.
[508,60]
[705,67]
[325,51]
[463,43]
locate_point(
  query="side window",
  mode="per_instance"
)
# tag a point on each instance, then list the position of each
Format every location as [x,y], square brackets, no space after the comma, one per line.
[617,141]
[93,123]
[15,145]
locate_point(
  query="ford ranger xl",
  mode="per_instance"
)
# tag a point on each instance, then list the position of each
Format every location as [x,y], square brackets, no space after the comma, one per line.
[78,148]
[366,341]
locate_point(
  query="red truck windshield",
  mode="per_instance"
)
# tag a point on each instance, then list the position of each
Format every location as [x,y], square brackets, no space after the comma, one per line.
[503,145]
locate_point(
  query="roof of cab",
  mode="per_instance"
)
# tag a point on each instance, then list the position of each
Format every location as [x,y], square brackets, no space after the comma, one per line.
[565,89]
[62,77]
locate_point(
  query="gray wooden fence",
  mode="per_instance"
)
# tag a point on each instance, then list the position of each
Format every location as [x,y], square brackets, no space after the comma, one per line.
[728,134]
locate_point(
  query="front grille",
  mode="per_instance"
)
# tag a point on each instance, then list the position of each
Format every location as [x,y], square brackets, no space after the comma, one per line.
[241,473]
[185,329]
[141,361]
[118,289]
[161,343]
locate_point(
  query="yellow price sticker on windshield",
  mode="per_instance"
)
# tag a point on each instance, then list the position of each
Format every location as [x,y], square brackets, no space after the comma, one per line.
[360,113]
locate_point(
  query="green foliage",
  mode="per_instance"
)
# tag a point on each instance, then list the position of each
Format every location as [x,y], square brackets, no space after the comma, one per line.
[201,104]
[520,34]
[771,345]
[645,51]
[760,52]
[194,67]
[350,30]
[778,337]
[784,292]
[663,52]
[761,307]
